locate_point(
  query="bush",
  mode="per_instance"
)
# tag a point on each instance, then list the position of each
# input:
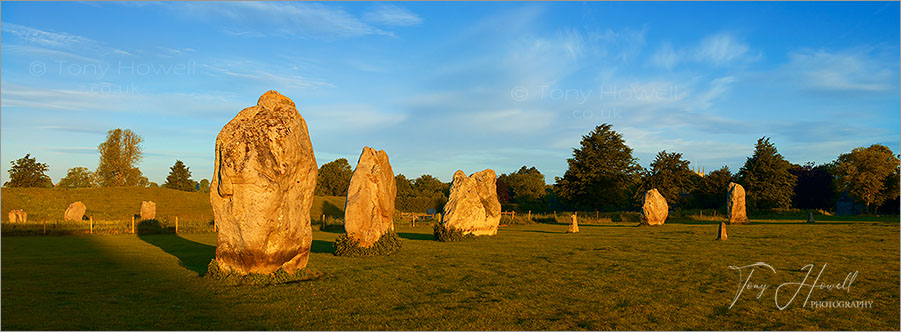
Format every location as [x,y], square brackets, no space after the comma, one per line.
[627,216]
[280,276]
[445,234]
[388,244]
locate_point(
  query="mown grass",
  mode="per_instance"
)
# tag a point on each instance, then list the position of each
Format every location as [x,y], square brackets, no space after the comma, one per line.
[610,276]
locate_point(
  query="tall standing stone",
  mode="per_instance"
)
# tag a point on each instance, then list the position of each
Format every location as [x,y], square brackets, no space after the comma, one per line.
[369,207]
[473,206]
[75,211]
[262,188]
[148,210]
[653,208]
[18,216]
[735,204]
[573,225]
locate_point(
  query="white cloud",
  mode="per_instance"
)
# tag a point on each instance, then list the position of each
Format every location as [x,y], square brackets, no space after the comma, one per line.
[855,71]
[391,15]
[56,43]
[303,19]
[348,116]
[718,50]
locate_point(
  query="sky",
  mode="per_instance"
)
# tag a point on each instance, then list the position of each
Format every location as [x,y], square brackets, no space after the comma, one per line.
[448,86]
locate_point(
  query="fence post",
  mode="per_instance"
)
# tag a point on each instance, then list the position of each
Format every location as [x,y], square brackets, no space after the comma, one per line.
[132,224]
[555,215]
[44,221]
[91,219]
[322,222]
[530,215]
[176,224]
[597,216]
[413,221]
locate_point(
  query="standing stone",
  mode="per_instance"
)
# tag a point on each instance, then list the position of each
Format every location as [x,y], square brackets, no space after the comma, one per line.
[262,188]
[148,210]
[810,217]
[573,225]
[721,233]
[369,207]
[735,204]
[473,206]
[75,211]
[18,216]
[653,208]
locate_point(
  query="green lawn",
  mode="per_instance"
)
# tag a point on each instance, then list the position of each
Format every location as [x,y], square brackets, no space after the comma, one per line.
[611,276]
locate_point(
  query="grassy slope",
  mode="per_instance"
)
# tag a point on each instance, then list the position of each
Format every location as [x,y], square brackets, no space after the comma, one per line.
[121,203]
[531,277]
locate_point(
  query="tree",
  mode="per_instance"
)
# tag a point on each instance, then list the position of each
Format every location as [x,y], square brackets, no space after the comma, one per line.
[180,177]
[710,193]
[869,174]
[27,172]
[427,185]
[120,155]
[815,188]
[203,186]
[527,185]
[601,174]
[153,185]
[766,179]
[334,178]
[77,177]
[671,176]
[424,193]
[504,194]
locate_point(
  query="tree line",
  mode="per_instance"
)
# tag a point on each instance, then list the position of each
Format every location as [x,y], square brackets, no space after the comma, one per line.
[602,175]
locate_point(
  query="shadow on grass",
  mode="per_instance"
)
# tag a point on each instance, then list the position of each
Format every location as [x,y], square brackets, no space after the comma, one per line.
[322,247]
[545,232]
[332,210]
[192,255]
[417,236]
[337,229]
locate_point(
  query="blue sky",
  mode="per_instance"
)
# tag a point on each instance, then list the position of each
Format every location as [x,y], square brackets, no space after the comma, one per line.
[447,86]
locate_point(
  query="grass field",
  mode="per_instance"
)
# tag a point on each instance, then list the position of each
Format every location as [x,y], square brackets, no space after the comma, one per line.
[529,277]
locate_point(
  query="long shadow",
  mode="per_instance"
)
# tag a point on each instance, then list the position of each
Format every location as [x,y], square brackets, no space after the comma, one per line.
[192,255]
[332,210]
[546,232]
[322,247]
[417,236]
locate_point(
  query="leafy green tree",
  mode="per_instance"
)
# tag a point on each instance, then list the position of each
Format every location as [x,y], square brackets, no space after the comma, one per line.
[180,177]
[765,176]
[203,186]
[527,184]
[120,155]
[77,177]
[423,193]
[153,185]
[504,194]
[869,174]
[602,173]
[711,190]
[334,178]
[815,188]
[671,176]
[404,185]
[429,186]
[28,172]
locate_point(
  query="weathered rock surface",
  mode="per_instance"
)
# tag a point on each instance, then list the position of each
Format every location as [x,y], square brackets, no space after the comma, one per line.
[573,225]
[369,207]
[721,233]
[18,216]
[262,188]
[148,210]
[75,211]
[735,204]
[653,208]
[473,206]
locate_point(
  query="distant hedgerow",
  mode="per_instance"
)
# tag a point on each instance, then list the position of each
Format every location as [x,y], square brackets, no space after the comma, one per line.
[280,276]
[388,244]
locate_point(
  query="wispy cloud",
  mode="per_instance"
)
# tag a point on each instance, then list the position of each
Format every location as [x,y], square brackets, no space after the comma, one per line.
[718,50]
[391,15]
[38,39]
[851,71]
[304,19]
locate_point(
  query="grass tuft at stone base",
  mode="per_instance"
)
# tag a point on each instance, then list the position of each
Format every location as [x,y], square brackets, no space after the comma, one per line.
[388,244]
[280,276]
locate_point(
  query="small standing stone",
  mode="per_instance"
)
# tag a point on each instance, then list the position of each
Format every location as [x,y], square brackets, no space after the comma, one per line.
[573,225]
[75,211]
[721,234]
[735,204]
[654,208]
[18,216]
[810,218]
[148,210]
